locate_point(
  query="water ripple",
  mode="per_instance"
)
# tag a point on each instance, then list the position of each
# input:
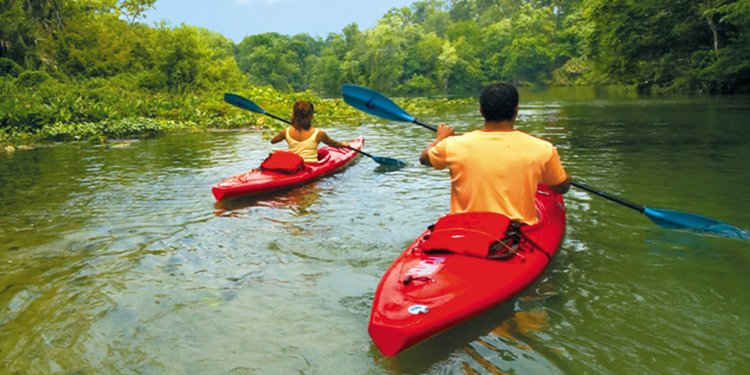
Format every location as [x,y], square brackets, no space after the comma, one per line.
[116,257]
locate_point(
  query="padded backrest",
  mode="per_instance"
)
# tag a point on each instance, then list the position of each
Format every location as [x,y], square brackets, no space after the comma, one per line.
[283,162]
[469,233]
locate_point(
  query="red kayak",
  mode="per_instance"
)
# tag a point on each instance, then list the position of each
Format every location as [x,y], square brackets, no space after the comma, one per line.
[458,269]
[258,181]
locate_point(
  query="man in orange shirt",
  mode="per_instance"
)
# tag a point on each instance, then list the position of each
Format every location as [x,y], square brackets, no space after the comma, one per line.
[496,168]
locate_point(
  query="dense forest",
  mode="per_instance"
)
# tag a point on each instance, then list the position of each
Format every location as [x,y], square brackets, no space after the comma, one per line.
[97,68]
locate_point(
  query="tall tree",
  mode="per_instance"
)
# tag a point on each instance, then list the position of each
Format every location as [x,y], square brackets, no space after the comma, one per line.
[132,10]
[663,44]
[710,10]
[383,51]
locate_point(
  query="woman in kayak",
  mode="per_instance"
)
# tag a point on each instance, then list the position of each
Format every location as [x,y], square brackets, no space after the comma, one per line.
[302,138]
[496,168]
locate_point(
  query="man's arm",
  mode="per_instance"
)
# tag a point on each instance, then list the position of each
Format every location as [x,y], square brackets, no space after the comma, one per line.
[562,187]
[443,132]
[553,170]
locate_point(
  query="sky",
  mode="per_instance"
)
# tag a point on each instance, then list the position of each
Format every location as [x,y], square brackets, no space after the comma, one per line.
[239,18]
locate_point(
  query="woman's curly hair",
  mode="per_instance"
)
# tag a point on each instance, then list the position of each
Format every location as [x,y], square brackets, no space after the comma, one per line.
[302,115]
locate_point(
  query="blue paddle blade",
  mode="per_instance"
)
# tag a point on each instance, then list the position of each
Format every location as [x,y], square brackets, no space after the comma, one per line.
[374,103]
[389,161]
[683,220]
[242,102]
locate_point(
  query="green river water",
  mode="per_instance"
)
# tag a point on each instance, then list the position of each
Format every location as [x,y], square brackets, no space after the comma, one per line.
[116,259]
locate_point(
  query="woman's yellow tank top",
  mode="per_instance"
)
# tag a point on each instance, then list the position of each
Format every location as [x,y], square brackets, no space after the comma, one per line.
[307,149]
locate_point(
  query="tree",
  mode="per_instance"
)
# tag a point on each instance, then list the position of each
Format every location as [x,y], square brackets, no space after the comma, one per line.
[327,74]
[279,60]
[24,25]
[182,58]
[132,10]
[432,15]
[710,9]
[649,43]
[421,61]
[463,10]
[382,53]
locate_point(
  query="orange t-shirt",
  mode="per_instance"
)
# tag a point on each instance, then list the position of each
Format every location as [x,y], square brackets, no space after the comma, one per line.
[497,171]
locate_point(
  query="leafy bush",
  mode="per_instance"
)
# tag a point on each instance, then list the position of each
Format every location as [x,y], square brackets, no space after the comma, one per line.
[32,78]
[9,67]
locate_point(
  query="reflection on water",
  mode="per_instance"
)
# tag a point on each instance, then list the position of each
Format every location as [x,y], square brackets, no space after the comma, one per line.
[116,258]
[298,199]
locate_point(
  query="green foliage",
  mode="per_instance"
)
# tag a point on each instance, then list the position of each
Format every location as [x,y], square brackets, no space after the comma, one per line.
[457,46]
[133,9]
[116,129]
[418,84]
[24,26]
[73,69]
[9,67]
[32,78]
[278,60]
[668,46]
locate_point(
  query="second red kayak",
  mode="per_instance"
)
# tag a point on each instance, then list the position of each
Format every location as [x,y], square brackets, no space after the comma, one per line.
[257,181]
[448,274]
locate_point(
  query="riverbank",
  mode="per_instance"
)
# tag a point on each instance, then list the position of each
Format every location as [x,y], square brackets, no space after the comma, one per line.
[46,110]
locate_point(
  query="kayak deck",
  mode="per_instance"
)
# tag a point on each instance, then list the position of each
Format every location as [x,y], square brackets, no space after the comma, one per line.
[422,294]
[257,181]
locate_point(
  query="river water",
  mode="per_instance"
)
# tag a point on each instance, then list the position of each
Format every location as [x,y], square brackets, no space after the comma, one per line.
[116,259]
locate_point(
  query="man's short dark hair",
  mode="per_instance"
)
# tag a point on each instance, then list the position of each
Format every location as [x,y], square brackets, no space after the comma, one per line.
[498,102]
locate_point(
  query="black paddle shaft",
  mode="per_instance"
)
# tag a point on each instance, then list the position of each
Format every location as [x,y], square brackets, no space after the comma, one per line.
[580,185]
[422,124]
[611,197]
[277,117]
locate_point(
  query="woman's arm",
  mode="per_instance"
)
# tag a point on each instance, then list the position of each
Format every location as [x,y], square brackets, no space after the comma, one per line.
[323,137]
[279,137]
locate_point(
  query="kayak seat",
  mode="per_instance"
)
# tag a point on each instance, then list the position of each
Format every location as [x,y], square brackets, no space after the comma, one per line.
[282,161]
[323,154]
[479,234]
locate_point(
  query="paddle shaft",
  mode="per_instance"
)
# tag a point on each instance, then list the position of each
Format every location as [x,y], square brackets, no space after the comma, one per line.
[277,117]
[606,195]
[664,218]
[377,104]
[577,184]
[422,124]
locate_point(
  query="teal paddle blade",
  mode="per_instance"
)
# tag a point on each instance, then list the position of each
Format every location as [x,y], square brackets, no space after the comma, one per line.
[374,103]
[390,162]
[683,220]
[239,101]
